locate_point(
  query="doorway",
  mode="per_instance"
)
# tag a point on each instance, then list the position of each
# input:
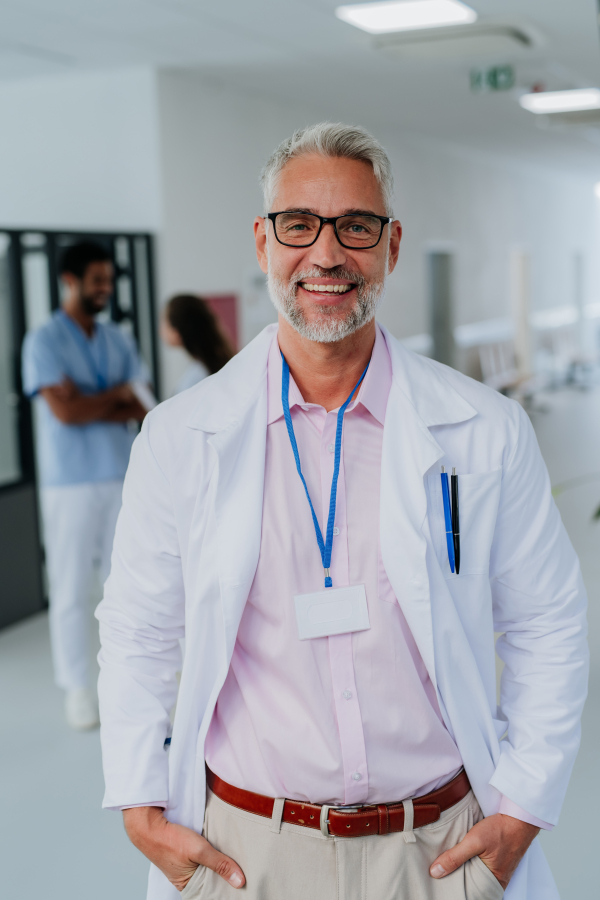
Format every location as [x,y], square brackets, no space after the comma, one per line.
[29,294]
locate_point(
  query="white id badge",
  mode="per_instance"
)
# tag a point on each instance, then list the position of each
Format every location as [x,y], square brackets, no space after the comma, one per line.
[332,611]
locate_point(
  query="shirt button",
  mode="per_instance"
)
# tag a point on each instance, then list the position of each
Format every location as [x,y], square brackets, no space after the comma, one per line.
[331,447]
[356,776]
[347,695]
[336,530]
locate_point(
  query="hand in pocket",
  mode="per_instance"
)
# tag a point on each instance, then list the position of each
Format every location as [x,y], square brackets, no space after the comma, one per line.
[177,851]
[499,841]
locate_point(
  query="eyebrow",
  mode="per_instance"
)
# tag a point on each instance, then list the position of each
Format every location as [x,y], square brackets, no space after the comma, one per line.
[360,212]
[347,212]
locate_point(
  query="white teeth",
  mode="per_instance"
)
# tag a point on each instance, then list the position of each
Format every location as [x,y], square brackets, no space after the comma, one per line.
[328,288]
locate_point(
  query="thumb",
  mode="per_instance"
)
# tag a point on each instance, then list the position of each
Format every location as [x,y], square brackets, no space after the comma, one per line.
[452,859]
[222,865]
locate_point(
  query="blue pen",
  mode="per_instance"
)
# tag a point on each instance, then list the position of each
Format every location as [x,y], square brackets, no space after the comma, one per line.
[448,518]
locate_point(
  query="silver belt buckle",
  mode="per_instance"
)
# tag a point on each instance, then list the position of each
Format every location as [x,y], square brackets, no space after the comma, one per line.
[325,813]
[324,820]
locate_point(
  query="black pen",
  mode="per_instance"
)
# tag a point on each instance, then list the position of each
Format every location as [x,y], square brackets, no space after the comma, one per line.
[455,520]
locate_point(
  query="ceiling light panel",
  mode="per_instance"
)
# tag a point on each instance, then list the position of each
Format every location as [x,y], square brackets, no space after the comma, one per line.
[406,15]
[547,102]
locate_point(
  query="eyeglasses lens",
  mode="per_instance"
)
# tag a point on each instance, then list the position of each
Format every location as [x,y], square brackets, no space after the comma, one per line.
[301,230]
[297,229]
[359,231]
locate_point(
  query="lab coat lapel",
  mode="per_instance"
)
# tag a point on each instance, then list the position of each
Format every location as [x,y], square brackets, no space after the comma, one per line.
[238,508]
[234,411]
[408,452]
[419,398]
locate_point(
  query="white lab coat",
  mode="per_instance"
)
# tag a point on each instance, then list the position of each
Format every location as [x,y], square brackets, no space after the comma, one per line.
[187,546]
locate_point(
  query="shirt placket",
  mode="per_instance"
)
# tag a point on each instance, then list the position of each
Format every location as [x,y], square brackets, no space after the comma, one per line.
[350,727]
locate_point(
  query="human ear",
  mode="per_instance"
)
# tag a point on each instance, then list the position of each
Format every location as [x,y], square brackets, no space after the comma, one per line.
[261,238]
[394,245]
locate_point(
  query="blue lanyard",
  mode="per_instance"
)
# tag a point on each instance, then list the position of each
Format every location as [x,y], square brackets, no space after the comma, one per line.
[324,546]
[98,371]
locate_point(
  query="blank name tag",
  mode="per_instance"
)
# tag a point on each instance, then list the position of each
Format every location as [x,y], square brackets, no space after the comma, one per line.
[332,611]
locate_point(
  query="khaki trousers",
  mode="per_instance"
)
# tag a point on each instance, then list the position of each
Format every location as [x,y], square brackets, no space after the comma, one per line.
[290,862]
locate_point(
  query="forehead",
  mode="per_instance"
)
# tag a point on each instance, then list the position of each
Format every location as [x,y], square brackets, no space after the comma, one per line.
[99,269]
[329,186]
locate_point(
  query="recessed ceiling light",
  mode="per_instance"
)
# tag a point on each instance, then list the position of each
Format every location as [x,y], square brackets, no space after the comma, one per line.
[597,189]
[406,15]
[561,101]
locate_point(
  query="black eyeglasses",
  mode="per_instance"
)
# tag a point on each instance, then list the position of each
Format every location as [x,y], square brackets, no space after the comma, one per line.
[355,232]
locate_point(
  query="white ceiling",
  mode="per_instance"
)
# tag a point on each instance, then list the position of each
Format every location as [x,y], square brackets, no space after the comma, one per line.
[298,50]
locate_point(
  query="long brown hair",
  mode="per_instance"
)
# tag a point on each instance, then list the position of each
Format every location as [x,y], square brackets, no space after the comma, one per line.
[200,331]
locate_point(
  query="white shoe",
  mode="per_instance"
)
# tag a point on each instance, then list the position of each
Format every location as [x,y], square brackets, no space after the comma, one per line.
[81,709]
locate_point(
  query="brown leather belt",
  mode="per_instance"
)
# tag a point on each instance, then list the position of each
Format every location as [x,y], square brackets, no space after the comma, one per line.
[346,821]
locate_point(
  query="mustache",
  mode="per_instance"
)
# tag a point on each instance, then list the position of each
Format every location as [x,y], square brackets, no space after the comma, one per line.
[337,272]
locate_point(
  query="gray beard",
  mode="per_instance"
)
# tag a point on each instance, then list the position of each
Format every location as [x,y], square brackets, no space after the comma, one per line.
[329,326]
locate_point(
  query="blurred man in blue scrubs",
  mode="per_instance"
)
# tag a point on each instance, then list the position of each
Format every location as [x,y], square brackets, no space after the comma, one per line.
[80,372]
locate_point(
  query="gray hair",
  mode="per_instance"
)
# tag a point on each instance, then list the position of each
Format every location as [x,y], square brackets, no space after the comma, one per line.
[331,139]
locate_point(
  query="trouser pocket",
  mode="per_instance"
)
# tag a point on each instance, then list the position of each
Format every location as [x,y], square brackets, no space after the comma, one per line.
[194,886]
[480,882]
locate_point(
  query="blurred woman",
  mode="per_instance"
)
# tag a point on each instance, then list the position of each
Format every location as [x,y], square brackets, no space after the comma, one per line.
[189,322]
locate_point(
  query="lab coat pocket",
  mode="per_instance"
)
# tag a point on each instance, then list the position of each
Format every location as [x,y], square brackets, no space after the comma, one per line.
[478,498]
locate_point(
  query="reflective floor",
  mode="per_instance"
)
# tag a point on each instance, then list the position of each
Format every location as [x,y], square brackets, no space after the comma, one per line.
[569,436]
[56,842]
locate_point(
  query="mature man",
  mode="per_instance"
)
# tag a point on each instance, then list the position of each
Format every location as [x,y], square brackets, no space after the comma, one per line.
[339,677]
[79,370]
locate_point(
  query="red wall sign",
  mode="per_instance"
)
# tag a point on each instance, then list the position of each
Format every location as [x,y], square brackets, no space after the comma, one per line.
[225,307]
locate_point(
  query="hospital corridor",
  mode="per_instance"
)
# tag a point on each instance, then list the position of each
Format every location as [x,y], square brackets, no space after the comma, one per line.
[291,293]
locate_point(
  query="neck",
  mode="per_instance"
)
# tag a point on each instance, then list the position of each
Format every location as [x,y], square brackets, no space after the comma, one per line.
[326,373]
[73,309]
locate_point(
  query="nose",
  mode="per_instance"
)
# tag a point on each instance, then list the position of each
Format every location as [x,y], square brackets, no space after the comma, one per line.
[327,252]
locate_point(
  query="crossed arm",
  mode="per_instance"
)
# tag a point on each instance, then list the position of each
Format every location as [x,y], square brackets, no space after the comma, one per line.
[70,406]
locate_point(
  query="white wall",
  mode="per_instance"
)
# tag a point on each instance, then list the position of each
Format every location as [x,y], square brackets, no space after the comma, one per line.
[482,209]
[214,140]
[80,151]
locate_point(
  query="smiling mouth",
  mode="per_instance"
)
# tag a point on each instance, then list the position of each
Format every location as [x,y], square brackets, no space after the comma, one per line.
[327,288]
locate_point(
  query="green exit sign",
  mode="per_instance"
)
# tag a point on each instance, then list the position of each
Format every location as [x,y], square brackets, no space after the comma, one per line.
[498,78]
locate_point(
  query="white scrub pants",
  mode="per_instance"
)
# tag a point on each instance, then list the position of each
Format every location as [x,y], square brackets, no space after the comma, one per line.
[79,526]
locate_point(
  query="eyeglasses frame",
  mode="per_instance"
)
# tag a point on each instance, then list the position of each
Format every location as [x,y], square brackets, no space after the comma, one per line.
[332,220]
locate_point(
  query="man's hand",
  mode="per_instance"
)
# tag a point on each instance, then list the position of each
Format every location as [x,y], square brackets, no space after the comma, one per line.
[122,393]
[177,851]
[66,390]
[500,841]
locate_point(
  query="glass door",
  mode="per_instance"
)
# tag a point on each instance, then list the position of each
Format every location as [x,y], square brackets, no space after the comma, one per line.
[29,293]
[10,463]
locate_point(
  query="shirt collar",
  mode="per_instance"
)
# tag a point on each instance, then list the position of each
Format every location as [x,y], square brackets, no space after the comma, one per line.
[373,393]
[75,328]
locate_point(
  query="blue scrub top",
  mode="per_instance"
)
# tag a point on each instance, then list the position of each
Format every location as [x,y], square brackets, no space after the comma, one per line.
[76,454]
